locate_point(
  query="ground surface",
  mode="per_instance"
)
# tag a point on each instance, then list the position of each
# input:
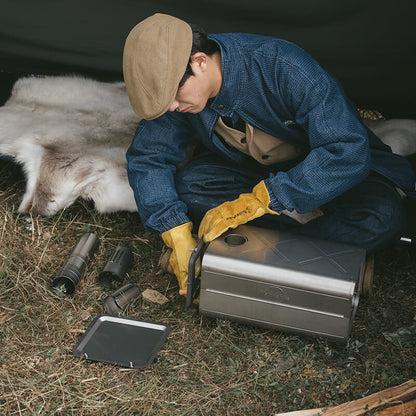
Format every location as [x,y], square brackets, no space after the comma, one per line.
[207,366]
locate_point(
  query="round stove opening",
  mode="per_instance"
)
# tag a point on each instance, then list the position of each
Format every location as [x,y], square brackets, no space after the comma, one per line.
[235,239]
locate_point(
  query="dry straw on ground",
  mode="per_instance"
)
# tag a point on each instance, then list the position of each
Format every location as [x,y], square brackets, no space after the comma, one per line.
[207,366]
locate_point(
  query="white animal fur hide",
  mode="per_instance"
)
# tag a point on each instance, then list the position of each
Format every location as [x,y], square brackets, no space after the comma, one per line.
[71,134]
[399,134]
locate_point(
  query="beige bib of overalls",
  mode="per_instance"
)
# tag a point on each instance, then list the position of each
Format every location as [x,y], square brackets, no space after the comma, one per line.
[263,147]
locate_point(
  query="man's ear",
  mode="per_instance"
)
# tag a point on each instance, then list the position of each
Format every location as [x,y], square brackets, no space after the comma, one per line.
[200,60]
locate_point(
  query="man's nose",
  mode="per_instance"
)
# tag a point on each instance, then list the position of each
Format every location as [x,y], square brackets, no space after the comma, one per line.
[174,105]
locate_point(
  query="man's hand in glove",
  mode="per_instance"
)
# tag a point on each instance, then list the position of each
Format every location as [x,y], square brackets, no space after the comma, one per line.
[180,240]
[230,214]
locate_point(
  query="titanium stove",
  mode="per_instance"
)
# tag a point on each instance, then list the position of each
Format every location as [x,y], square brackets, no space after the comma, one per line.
[282,281]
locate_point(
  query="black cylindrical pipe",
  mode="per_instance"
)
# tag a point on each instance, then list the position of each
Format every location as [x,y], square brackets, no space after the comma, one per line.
[68,278]
[117,302]
[115,270]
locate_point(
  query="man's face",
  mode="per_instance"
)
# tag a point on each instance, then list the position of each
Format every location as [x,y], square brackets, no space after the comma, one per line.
[192,97]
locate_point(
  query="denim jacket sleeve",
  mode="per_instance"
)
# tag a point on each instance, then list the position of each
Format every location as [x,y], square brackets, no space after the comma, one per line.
[339,155]
[158,146]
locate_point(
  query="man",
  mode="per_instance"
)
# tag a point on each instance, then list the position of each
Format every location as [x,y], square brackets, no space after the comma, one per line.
[282,144]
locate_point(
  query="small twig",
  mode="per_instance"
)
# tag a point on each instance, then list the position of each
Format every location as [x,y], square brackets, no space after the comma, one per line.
[14,394]
[92,225]
[49,239]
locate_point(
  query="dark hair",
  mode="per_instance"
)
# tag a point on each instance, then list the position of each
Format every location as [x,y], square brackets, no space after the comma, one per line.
[200,43]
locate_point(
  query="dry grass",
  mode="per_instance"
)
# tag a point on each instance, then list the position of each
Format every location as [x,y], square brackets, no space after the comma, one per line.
[207,366]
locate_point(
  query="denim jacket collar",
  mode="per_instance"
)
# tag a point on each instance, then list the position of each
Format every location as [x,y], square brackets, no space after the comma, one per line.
[233,75]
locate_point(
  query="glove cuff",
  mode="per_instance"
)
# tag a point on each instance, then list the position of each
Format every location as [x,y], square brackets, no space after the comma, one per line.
[262,194]
[171,235]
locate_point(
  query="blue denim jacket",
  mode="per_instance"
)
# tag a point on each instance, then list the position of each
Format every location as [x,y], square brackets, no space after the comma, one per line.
[277,87]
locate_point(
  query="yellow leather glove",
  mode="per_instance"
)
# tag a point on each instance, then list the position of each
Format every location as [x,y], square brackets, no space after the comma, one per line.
[180,240]
[230,214]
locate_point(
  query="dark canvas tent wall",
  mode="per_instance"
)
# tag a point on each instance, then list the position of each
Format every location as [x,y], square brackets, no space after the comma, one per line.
[369,45]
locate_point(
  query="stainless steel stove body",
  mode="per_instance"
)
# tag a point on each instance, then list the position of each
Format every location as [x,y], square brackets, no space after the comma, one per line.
[282,281]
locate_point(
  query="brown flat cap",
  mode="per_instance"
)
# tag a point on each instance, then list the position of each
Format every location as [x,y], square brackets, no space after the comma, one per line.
[156,54]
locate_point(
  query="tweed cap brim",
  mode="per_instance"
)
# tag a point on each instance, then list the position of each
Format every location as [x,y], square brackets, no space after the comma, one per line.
[156,53]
